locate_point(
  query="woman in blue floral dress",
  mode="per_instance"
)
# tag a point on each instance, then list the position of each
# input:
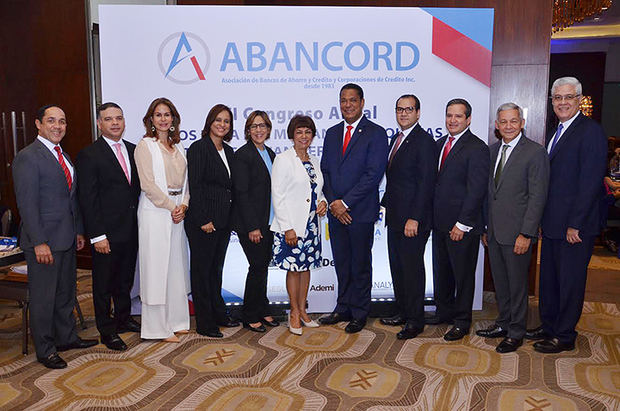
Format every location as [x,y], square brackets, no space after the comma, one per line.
[298,202]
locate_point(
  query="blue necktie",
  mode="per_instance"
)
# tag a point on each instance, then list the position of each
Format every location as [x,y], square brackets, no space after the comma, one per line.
[556,138]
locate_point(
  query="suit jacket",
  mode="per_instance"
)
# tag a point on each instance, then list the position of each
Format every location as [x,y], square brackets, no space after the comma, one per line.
[48,208]
[108,202]
[517,203]
[292,192]
[252,189]
[462,184]
[410,181]
[210,186]
[578,166]
[355,176]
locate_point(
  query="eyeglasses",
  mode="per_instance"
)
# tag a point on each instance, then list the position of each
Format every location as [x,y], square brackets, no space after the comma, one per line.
[259,126]
[557,98]
[407,110]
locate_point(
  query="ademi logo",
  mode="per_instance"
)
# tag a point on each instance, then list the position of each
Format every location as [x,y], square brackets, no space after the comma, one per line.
[183,58]
[322,287]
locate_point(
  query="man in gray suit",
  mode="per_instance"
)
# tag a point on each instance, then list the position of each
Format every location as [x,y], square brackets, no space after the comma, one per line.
[50,232]
[517,193]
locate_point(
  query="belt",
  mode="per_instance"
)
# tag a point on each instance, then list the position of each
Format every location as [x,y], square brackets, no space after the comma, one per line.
[173,193]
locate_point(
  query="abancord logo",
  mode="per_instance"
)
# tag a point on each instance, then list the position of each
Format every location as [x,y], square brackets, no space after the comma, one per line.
[183,58]
[257,56]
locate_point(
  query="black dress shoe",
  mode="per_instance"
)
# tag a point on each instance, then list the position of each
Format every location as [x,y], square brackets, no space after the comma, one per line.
[493,331]
[272,323]
[228,322]
[113,342]
[130,326]
[553,346]
[333,318]
[53,361]
[455,333]
[212,332]
[394,320]
[536,334]
[508,345]
[436,320]
[409,331]
[260,329]
[79,343]
[355,326]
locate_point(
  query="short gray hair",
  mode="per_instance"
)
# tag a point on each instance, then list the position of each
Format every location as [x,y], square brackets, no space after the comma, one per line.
[566,80]
[509,106]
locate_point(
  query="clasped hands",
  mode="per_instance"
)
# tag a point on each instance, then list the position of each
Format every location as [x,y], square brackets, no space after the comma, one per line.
[339,211]
[178,214]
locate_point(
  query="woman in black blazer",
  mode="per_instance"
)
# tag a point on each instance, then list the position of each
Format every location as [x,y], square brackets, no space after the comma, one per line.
[254,215]
[210,163]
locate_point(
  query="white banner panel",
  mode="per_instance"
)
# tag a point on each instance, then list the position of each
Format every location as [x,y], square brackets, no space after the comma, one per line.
[290,60]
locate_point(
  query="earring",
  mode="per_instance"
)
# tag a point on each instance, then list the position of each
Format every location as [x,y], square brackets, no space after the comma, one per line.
[153,129]
[171,129]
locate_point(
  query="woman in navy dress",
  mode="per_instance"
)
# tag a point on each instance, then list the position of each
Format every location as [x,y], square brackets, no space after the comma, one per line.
[298,202]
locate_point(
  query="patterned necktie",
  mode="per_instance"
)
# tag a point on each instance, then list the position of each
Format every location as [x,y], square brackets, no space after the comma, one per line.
[500,166]
[61,160]
[399,139]
[347,138]
[556,138]
[446,150]
[121,160]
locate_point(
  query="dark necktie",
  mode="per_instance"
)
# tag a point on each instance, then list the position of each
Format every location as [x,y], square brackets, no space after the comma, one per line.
[399,139]
[500,166]
[61,160]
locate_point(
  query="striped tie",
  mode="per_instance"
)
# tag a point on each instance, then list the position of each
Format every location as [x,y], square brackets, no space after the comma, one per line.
[61,160]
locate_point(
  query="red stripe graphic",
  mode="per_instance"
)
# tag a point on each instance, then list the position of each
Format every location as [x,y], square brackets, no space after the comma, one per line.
[461,52]
[201,75]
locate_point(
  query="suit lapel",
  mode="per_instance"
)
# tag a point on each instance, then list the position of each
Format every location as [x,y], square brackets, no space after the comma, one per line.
[110,157]
[514,155]
[458,146]
[355,137]
[405,143]
[258,158]
[52,160]
[220,167]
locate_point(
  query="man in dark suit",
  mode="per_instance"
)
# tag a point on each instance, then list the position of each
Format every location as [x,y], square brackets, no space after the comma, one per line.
[108,192]
[457,219]
[408,202]
[50,232]
[571,220]
[353,162]
[517,191]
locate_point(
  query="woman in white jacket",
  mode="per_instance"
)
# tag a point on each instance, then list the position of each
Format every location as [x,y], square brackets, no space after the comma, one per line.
[298,202]
[163,259]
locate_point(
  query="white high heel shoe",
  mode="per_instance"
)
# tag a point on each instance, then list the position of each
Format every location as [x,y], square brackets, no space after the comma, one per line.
[293,330]
[309,324]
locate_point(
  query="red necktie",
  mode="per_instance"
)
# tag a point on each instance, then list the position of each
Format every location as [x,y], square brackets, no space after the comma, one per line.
[347,138]
[399,139]
[61,160]
[446,150]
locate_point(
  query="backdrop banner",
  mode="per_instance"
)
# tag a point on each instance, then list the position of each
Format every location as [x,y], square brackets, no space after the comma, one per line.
[293,60]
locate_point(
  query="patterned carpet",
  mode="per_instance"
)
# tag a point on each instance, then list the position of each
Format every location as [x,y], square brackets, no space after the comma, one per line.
[323,369]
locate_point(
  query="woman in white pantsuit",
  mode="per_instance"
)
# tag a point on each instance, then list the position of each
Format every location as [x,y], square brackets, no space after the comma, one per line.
[162,251]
